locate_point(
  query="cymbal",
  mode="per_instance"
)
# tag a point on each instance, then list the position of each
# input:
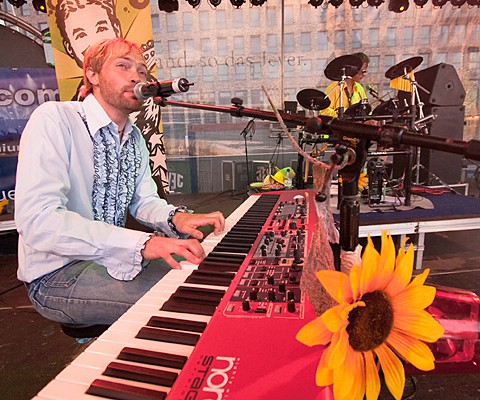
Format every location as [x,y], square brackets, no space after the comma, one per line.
[347,65]
[403,67]
[313,99]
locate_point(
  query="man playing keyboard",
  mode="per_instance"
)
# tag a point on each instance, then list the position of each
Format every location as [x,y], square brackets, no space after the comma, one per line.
[82,166]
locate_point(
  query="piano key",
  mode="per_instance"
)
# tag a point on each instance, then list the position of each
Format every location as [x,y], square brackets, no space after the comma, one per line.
[140,374]
[169,336]
[176,323]
[152,357]
[119,391]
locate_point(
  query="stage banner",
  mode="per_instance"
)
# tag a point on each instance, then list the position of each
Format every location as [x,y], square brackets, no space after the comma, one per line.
[21,91]
[75,25]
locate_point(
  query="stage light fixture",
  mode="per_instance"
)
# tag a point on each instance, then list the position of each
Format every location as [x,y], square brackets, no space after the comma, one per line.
[214,3]
[420,3]
[315,3]
[194,3]
[473,3]
[257,2]
[17,3]
[336,3]
[439,3]
[168,6]
[355,3]
[375,3]
[39,5]
[398,6]
[237,3]
[458,3]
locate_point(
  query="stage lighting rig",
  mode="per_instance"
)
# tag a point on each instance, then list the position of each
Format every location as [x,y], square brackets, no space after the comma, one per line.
[458,3]
[398,6]
[194,3]
[355,3]
[237,3]
[39,5]
[17,3]
[336,3]
[473,3]
[315,3]
[375,3]
[420,3]
[257,2]
[439,3]
[168,6]
[214,3]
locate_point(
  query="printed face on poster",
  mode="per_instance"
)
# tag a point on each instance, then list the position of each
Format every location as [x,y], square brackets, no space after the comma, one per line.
[76,24]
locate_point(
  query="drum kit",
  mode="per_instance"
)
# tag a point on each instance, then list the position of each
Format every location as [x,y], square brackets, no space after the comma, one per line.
[388,111]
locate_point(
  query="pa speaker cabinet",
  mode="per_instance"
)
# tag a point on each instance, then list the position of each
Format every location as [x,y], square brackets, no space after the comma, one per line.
[444,85]
[448,123]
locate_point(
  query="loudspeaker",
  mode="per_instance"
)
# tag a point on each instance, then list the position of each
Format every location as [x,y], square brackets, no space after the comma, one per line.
[449,123]
[444,85]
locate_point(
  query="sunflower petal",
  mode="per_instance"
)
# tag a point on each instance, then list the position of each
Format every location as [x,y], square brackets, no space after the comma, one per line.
[369,267]
[412,350]
[420,325]
[421,278]
[314,333]
[337,284]
[413,298]
[332,318]
[372,379]
[324,375]
[393,370]
[386,263]
[355,282]
[402,274]
[344,377]
[340,347]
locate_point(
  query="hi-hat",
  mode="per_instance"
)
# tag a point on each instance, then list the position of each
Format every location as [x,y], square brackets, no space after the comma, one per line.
[403,67]
[347,65]
[313,99]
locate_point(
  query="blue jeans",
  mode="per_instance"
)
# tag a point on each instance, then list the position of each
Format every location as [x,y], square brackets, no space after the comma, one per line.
[83,293]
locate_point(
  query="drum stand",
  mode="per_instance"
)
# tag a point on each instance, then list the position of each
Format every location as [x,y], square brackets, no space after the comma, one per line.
[341,83]
[414,124]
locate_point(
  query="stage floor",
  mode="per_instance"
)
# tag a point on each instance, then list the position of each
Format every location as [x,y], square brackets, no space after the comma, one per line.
[33,350]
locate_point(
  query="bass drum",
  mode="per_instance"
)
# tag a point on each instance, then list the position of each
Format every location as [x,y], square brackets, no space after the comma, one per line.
[361,109]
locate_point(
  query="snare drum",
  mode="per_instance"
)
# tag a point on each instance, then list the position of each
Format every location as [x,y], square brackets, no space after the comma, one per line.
[388,108]
[361,109]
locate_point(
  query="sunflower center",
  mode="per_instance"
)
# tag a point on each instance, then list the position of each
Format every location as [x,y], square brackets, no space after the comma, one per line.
[369,326]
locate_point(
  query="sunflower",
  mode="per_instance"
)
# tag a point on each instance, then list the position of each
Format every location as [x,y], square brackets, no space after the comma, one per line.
[362,180]
[380,317]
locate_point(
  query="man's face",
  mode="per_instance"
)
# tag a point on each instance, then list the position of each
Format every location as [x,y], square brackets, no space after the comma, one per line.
[359,76]
[86,26]
[114,84]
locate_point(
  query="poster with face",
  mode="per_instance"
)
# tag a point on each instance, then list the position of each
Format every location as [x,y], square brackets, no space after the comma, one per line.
[75,25]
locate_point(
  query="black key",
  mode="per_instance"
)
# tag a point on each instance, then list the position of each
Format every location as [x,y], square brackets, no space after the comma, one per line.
[120,391]
[165,335]
[140,374]
[152,357]
[175,323]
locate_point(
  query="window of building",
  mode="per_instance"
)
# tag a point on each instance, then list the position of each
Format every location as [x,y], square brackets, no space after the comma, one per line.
[240,72]
[289,43]
[426,59]
[306,67]
[306,13]
[388,61]
[255,44]
[356,38]
[207,73]
[272,43]
[171,21]
[26,9]
[238,45]
[322,40]
[155,23]
[272,70]
[339,39]
[408,36]
[373,65]
[391,39]
[187,20]
[425,35]
[459,33]
[222,71]
[272,19]
[257,97]
[473,61]
[191,72]
[222,46]
[456,59]
[221,19]
[224,98]
[237,19]
[442,57]
[444,34]
[305,41]
[357,14]
[206,47]
[321,14]
[289,15]
[255,70]
[157,45]
[254,15]
[288,70]
[373,36]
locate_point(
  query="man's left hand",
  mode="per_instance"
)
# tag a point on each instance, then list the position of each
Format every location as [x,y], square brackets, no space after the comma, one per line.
[188,223]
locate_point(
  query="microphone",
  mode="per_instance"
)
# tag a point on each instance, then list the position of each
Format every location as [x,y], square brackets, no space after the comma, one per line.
[143,91]
[372,91]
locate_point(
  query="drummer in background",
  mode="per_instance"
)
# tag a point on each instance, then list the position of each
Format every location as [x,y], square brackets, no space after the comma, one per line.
[353,92]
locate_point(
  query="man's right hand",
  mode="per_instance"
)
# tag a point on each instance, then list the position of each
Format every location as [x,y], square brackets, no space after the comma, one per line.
[163,247]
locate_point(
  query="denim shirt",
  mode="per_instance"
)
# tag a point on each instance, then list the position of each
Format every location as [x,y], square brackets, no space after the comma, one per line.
[75,183]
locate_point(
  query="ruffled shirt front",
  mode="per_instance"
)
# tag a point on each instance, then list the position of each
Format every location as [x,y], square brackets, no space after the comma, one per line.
[75,184]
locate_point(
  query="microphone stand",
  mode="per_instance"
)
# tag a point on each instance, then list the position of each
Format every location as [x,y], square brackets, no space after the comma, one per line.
[341,84]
